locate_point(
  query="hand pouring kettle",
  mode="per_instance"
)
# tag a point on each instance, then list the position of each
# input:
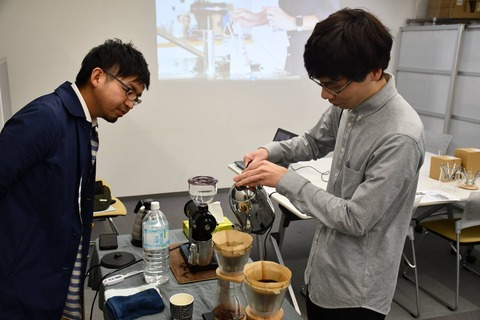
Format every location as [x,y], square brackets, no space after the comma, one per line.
[252,208]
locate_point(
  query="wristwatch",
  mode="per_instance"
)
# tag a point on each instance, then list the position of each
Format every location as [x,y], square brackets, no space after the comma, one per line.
[299,23]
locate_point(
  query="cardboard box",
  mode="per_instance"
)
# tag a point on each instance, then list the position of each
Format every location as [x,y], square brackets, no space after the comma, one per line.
[470,158]
[226,224]
[436,161]
[453,9]
[439,8]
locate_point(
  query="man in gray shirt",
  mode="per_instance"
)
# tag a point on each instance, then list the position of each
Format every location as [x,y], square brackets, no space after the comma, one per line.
[378,145]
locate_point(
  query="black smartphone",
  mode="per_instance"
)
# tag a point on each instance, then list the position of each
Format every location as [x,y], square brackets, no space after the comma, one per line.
[240,164]
[108,241]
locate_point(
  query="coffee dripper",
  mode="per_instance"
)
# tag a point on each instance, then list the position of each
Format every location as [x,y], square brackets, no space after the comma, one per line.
[201,223]
[232,250]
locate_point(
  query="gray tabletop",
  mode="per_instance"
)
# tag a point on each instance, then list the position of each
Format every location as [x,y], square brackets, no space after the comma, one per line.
[203,292]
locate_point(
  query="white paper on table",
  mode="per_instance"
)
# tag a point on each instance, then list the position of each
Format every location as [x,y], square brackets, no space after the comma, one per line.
[436,196]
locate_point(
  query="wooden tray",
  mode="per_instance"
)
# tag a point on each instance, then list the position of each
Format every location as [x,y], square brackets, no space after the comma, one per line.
[180,269]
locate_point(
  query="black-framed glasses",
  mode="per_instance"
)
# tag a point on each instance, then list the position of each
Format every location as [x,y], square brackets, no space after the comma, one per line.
[131,95]
[333,91]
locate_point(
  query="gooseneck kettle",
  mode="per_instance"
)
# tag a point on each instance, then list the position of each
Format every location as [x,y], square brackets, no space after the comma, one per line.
[252,208]
[141,210]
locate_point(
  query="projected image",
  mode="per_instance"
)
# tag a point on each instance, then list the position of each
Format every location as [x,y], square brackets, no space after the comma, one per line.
[235,39]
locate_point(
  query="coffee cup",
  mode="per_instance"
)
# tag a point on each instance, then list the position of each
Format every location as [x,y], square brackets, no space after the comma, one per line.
[181,306]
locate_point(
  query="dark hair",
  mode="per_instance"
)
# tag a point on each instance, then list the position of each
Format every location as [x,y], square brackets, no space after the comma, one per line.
[122,59]
[349,43]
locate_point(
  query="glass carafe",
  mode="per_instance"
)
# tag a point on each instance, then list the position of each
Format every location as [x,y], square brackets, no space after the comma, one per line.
[230,301]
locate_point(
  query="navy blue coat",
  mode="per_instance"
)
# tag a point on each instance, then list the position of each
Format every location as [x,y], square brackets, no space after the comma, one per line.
[44,151]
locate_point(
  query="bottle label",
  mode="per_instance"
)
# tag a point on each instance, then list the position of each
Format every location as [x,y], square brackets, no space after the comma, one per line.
[155,239]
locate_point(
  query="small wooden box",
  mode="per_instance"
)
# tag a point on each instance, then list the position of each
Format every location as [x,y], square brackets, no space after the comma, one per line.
[470,158]
[438,160]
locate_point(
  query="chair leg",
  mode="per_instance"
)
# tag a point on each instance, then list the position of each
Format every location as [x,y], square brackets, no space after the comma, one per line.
[412,265]
[112,225]
[417,294]
[457,285]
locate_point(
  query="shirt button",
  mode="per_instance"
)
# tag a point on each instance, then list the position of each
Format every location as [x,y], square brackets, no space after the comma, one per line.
[336,174]
[349,124]
[343,150]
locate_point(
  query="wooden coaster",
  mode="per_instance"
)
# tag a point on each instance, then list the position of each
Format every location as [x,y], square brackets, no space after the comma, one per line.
[180,269]
[468,187]
[252,316]
[237,278]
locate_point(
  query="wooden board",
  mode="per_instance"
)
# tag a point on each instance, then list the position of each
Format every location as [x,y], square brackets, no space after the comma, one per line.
[180,269]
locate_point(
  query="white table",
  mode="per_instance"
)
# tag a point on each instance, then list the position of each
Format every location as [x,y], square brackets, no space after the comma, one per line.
[312,169]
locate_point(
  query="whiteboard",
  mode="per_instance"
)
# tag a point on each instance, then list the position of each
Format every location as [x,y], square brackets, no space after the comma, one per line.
[470,53]
[428,48]
[440,75]
[424,91]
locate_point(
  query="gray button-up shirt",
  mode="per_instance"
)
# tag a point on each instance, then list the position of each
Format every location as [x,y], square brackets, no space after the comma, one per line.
[365,212]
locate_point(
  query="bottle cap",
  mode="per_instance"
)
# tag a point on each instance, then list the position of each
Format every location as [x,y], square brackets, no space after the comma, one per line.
[155,205]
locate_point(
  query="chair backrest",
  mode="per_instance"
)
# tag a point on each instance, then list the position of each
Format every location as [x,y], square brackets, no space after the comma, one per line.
[471,212]
[437,142]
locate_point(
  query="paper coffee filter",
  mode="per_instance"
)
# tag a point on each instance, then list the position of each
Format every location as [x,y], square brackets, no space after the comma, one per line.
[267,277]
[231,243]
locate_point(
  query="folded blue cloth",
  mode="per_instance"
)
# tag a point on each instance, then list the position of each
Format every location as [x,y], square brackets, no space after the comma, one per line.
[135,306]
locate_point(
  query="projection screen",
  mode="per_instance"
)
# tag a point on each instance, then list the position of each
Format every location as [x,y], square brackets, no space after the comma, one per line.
[235,39]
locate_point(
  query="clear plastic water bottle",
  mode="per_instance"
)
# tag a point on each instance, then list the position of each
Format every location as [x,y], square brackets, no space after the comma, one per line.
[156,255]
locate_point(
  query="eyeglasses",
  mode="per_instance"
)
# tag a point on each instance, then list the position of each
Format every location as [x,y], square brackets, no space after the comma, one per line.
[333,91]
[131,95]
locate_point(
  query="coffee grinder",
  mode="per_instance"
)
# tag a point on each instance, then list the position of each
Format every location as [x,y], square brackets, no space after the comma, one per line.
[198,252]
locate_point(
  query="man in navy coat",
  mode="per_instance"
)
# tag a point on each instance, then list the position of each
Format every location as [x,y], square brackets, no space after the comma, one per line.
[47,179]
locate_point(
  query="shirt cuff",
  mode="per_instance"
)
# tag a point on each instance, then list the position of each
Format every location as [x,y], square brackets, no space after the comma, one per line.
[291,184]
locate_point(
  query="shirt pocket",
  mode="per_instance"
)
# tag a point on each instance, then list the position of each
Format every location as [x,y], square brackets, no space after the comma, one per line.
[351,179]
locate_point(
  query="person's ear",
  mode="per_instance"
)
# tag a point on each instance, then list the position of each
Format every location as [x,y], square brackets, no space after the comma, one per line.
[97,77]
[377,74]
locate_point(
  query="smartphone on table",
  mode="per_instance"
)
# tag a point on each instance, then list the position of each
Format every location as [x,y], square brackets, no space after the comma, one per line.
[108,241]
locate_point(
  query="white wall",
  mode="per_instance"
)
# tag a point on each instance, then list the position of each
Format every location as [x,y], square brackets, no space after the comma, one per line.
[181,129]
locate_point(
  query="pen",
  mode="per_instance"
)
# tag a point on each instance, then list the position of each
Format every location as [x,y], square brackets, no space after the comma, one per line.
[455,170]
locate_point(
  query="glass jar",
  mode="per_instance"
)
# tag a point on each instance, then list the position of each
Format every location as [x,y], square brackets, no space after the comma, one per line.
[230,301]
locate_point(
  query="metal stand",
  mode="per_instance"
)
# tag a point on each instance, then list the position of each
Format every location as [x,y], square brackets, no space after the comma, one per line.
[290,288]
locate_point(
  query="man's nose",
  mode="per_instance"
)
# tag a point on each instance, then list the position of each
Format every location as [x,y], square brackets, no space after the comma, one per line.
[327,94]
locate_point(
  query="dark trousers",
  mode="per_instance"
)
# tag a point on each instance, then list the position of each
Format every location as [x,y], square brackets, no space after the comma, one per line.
[315,312]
